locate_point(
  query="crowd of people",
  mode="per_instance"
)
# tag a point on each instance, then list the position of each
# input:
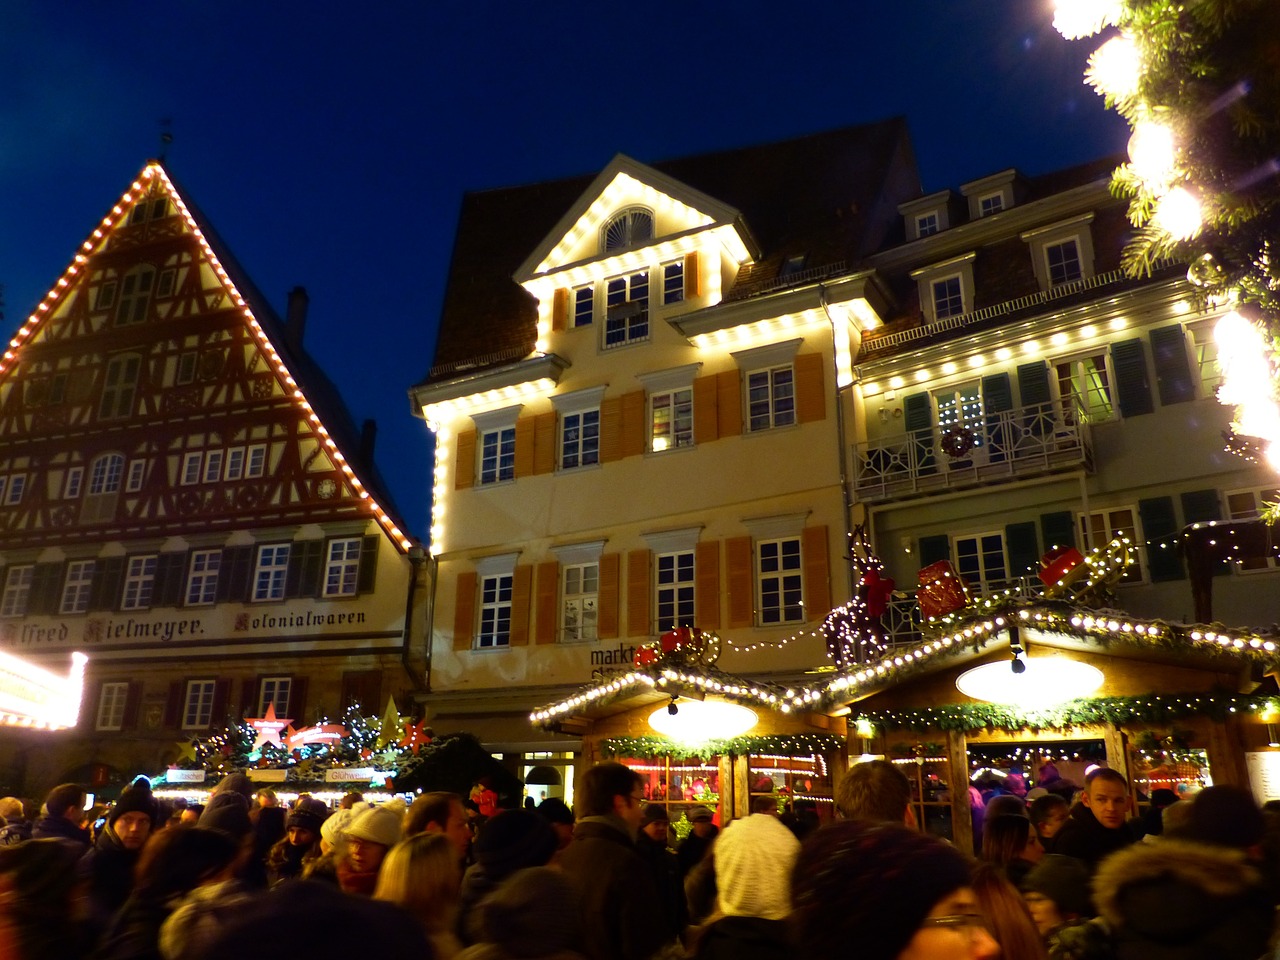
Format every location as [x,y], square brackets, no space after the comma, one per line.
[246,876]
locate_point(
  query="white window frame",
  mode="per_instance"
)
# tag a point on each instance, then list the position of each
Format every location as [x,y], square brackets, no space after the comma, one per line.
[76,586]
[139,582]
[213,466]
[668,383]
[185,372]
[576,408]
[1042,239]
[989,204]
[135,294]
[671,419]
[106,298]
[270,571]
[17,590]
[274,691]
[978,565]
[678,592]
[137,473]
[197,705]
[629,218]
[235,463]
[17,484]
[1258,496]
[579,604]
[72,483]
[202,577]
[1095,391]
[192,461]
[342,567]
[105,473]
[112,701]
[495,585]
[1099,527]
[255,464]
[961,407]
[673,282]
[627,319]
[784,581]
[761,367]
[583,306]
[926,277]
[927,224]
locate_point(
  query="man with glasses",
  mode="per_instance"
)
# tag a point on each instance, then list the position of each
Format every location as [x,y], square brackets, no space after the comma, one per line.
[620,902]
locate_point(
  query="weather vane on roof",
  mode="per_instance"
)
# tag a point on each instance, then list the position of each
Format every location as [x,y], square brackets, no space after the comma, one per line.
[166,136]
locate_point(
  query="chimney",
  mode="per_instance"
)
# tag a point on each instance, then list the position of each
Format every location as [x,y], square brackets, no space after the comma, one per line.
[295,319]
[368,434]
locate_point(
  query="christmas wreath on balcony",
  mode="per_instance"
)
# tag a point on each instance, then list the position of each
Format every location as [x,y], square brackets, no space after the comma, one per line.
[957,442]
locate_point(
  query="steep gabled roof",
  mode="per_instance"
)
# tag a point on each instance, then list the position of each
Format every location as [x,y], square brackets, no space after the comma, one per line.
[312,391]
[832,196]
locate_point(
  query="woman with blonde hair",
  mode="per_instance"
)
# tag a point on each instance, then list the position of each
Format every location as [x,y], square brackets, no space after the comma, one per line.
[421,876]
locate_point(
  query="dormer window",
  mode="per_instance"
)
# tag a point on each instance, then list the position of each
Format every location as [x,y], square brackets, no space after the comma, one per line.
[992,203]
[628,229]
[1062,252]
[946,289]
[925,216]
[1063,261]
[627,310]
[926,225]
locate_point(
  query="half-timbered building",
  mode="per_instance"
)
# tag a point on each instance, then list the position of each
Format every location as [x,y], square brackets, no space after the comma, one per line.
[184,498]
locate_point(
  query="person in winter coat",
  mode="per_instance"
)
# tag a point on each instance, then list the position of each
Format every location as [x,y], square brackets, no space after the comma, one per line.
[63,817]
[16,825]
[651,844]
[110,864]
[510,841]
[420,874]
[1099,825]
[537,914]
[39,885]
[366,841]
[300,844]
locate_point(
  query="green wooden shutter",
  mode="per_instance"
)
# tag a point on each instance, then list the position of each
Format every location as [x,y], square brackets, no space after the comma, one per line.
[1173,369]
[1204,506]
[233,575]
[1036,397]
[933,549]
[303,576]
[1133,386]
[1160,529]
[917,417]
[997,393]
[997,398]
[171,569]
[46,588]
[1023,548]
[1058,529]
[108,575]
[367,576]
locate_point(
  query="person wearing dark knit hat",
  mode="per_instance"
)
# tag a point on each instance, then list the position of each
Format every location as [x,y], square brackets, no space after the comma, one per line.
[699,840]
[236,783]
[301,843]
[509,841]
[557,813]
[881,891]
[110,864]
[1056,891]
[229,812]
[534,915]
[651,844]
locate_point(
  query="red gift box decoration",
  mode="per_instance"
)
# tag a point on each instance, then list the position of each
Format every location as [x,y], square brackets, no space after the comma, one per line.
[1062,565]
[942,590]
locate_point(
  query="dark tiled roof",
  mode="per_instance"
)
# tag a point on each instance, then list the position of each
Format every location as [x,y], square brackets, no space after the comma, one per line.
[832,196]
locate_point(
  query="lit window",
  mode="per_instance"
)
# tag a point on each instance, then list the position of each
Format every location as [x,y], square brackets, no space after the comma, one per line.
[139,580]
[675,590]
[495,611]
[71,486]
[1248,505]
[627,229]
[673,282]
[137,471]
[580,439]
[671,419]
[498,455]
[341,568]
[926,224]
[269,572]
[960,409]
[17,484]
[119,386]
[197,710]
[235,463]
[581,595]
[1084,388]
[771,398]
[780,581]
[584,305]
[75,589]
[274,692]
[1063,260]
[202,580]
[191,467]
[257,461]
[948,298]
[135,295]
[17,590]
[1108,525]
[111,705]
[626,309]
[213,466]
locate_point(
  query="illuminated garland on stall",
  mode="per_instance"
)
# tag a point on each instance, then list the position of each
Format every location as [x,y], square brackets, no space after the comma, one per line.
[784,744]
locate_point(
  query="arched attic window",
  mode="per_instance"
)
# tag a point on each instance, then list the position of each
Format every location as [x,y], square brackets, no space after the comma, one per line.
[627,229]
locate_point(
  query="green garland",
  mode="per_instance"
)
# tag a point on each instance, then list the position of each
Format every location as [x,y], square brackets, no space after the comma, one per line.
[789,745]
[1153,708]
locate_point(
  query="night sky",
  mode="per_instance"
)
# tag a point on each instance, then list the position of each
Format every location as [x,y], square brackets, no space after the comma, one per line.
[329,144]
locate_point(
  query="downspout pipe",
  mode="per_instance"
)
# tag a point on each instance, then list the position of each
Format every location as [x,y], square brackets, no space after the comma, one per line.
[846,492]
[421,684]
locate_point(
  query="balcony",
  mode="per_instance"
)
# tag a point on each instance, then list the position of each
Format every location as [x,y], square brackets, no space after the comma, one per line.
[902,614]
[1004,447]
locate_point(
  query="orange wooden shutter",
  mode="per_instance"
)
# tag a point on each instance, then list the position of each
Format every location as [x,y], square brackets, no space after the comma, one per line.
[638,623]
[560,309]
[464,469]
[544,443]
[742,581]
[706,559]
[610,429]
[635,435]
[464,610]
[692,279]
[521,594]
[545,619]
[729,403]
[811,393]
[607,625]
[524,447]
[817,573]
[704,410]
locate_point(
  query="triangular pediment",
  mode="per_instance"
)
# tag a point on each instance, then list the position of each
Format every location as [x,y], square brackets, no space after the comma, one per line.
[624,184]
[154,348]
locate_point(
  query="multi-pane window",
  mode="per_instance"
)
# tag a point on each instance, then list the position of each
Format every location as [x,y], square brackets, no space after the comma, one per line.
[139,581]
[165,287]
[671,419]
[137,471]
[1206,353]
[495,611]
[584,305]
[191,467]
[498,455]
[135,295]
[105,473]
[76,587]
[1063,260]
[627,309]
[771,397]
[235,463]
[992,204]
[628,229]
[780,579]
[675,590]
[197,711]
[106,295]
[926,224]
[202,578]
[17,590]
[342,565]
[118,387]
[17,484]
[673,282]
[981,561]
[212,466]
[1084,385]
[948,298]
[257,460]
[961,409]
[111,703]
[581,598]
[580,439]
[274,692]
[269,572]
[186,368]
[71,485]
[1248,505]
[1108,525]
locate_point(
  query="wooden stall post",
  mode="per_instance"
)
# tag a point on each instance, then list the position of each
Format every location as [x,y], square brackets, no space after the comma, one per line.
[961,816]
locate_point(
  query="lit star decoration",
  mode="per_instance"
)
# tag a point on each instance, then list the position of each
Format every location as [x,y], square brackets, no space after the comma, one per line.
[186,750]
[269,729]
[390,728]
[415,736]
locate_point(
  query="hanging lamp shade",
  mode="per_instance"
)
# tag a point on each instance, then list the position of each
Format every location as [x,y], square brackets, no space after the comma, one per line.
[543,775]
